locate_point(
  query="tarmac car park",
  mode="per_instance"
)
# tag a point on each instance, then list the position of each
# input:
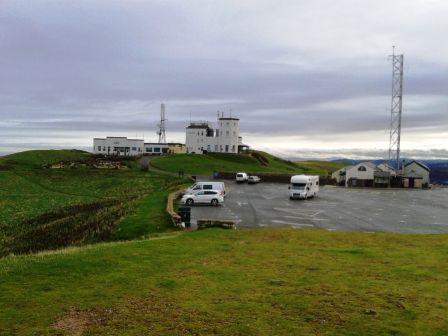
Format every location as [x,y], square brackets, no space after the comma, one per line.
[335,208]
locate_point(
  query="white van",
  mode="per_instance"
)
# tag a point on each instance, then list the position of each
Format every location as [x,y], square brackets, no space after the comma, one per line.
[199,186]
[303,186]
[241,177]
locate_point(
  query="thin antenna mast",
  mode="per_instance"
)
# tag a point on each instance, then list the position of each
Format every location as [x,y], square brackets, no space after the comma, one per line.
[161,131]
[396,109]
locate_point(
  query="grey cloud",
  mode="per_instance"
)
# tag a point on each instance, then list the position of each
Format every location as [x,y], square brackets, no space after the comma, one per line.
[102,66]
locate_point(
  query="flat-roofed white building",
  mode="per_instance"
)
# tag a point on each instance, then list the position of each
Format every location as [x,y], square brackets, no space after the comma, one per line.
[202,137]
[120,146]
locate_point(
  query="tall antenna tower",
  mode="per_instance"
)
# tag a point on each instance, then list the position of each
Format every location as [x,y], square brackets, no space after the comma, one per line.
[161,131]
[396,109]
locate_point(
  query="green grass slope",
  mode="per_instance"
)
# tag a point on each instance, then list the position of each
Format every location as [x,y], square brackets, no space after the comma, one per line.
[323,167]
[244,282]
[206,164]
[37,158]
[50,208]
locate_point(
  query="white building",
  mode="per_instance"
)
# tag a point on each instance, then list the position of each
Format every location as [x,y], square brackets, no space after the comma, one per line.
[123,146]
[415,175]
[366,174]
[202,137]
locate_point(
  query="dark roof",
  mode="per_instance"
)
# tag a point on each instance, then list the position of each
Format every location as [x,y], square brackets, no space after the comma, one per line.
[116,137]
[99,138]
[228,118]
[155,143]
[419,163]
[176,143]
[199,126]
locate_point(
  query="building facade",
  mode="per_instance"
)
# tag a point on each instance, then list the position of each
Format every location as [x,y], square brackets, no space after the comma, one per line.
[120,146]
[415,175]
[201,137]
[367,174]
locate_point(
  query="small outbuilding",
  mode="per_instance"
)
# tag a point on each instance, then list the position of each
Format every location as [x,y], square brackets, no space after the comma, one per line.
[415,175]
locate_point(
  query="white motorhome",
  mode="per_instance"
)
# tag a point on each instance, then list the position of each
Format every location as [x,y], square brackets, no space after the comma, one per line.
[303,186]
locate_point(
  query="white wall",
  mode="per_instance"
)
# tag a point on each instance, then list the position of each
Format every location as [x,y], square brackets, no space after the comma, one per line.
[224,140]
[416,168]
[118,146]
[354,172]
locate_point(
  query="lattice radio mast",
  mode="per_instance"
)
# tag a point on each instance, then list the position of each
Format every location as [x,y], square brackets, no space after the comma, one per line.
[161,131]
[396,109]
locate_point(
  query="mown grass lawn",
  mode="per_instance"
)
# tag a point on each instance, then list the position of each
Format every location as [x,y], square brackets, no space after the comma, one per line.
[243,282]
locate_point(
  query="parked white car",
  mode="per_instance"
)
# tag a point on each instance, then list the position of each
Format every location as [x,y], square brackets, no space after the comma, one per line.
[198,186]
[212,197]
[241,177]
[253,179]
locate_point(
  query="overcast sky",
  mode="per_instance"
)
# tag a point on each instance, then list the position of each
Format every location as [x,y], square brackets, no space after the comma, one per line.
[307,78]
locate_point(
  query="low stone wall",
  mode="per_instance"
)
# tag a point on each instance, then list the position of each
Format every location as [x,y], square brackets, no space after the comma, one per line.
[274,177]
[170,207]
[210,223]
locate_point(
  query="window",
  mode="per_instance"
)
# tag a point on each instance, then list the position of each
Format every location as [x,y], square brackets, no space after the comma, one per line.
[216,148]
[234,133]
[217,133]
[104,148]
[227,148]
[134,148]
[210,192]
[99,148]
[227,133]
[139,149]
[198,187]
[149,149]
[362,168]
[208,148]
[233,148]
[156,149]
[207,187]
[220,148]
[227,123]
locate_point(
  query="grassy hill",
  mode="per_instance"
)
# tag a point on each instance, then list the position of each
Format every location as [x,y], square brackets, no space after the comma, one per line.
[206,164]
[43,208]
[322,167]
[37,158]
[243,282]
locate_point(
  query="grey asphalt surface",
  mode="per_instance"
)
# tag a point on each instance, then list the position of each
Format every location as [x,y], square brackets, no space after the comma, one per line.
[372,210]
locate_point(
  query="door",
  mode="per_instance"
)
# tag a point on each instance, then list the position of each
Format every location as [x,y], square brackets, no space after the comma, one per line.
[411,182]
[200,197]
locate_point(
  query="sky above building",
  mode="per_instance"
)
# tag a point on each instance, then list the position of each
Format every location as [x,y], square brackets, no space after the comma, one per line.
[306,78]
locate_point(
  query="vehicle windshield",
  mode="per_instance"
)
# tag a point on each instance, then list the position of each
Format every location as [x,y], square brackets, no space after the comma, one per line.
[298,186]
[239,175]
